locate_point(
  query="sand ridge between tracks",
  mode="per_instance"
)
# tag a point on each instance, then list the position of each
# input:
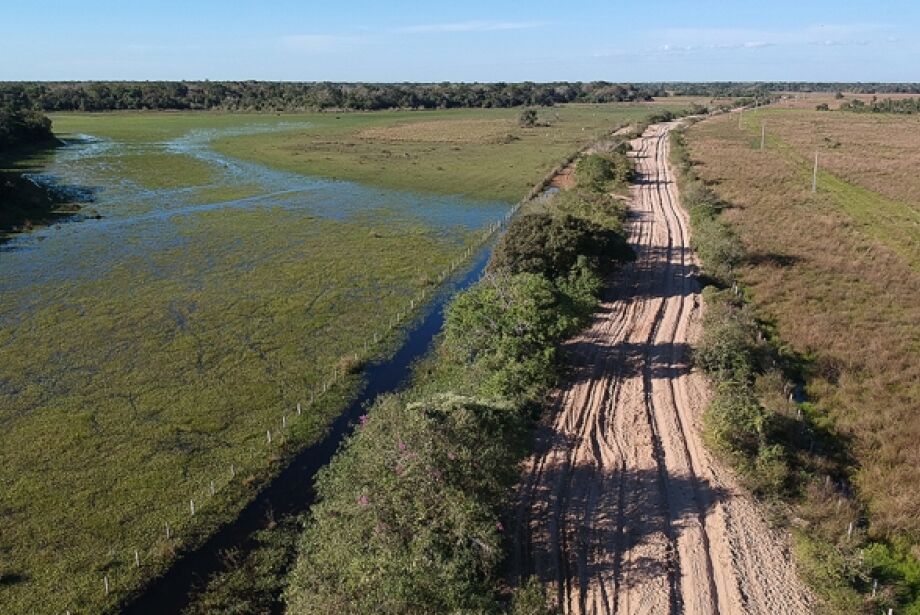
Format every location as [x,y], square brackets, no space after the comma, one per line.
[621,509]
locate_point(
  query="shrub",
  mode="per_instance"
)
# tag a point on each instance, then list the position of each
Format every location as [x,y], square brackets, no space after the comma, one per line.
[597,172]
[531,599]
[506,329]
[735,422]
[550,245]
[407,519]
[23,127]
[727,349]
[603,209]
[528,118]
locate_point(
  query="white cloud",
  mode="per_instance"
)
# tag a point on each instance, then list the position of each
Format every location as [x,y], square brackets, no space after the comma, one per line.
[838,43]
[671,48]
[470,26]
[686,40]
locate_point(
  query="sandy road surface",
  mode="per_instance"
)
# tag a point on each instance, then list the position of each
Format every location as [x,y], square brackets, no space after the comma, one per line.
[621,509]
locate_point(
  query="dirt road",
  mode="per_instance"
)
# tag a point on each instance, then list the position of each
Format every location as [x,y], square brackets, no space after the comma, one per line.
[621,509]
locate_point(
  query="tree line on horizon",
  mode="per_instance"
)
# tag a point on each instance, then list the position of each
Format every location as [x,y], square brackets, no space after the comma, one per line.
[287,96]
[299,96]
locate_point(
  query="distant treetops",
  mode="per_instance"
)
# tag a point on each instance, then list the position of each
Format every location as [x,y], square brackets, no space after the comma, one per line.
[262,95]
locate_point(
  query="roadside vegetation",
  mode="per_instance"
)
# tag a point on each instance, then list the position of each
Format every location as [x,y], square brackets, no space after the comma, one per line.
[813,378]
[410,515]
[132,385]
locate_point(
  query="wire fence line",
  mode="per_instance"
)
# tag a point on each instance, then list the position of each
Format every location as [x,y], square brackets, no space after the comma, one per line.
[123,565]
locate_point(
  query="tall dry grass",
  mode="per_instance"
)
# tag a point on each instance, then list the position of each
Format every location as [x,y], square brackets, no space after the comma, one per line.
[838,294]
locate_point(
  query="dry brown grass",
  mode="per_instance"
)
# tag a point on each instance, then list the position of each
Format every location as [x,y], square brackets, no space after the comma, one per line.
[837,291]
[444,131]
[876,151]
[809,100]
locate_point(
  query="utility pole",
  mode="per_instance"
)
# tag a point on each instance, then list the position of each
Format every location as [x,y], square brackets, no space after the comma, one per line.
[814,178]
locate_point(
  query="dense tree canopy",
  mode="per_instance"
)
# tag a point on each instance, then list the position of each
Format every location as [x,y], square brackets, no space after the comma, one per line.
[22,127]
[264,95]
[550,245]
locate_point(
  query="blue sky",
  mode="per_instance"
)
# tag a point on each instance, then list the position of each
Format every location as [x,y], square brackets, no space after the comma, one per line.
[473,40]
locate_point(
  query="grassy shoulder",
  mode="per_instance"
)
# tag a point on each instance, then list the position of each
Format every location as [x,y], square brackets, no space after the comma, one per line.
[796,455]
[410,515]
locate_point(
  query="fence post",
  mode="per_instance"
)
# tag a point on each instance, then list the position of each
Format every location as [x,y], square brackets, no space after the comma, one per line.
[167,530]
[268,435]
[105,581]
[191,506]
[137,559]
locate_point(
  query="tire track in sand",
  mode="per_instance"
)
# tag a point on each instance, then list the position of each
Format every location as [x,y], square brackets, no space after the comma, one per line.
[621,509]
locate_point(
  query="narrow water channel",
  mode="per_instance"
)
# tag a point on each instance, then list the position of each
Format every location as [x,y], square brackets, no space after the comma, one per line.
[291,491]
[188,305]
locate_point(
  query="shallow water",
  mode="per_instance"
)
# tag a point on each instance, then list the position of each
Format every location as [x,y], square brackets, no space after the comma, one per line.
[138,220]
[291,491]
[174,322]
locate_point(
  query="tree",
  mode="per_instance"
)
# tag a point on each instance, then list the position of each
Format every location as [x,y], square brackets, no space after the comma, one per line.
[550,245]
[23,127]
[528,118]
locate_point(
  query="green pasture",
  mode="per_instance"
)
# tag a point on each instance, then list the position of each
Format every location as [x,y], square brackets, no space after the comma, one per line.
[125,393]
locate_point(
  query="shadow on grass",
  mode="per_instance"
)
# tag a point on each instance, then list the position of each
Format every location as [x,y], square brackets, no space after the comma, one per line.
[772,259]
[8,579]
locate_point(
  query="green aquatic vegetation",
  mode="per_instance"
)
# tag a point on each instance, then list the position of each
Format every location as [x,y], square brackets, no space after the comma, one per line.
[221,194]
[409,517]
[124,395]
[158,127]
[156,170]
[435,152]
[143,358]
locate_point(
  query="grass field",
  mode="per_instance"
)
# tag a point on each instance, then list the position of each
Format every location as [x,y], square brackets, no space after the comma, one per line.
[478,153]
[146,354]
[838,272]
